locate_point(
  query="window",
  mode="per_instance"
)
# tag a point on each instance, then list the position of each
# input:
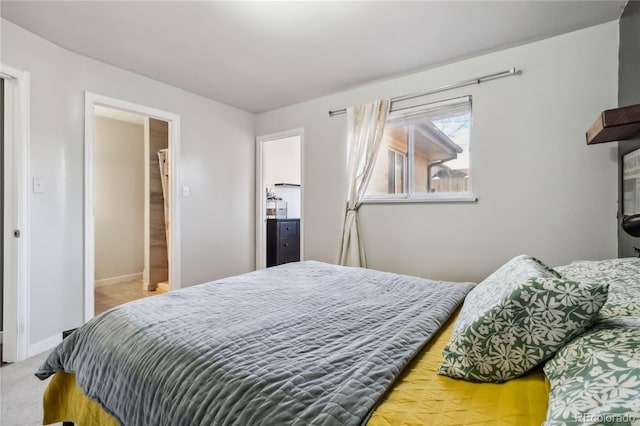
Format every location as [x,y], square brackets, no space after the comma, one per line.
[397,169]
[424,154]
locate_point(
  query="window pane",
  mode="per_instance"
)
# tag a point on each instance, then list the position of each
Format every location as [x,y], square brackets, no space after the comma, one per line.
[400,161]
[388,175]
[434,139]
[441,155]
[391,180]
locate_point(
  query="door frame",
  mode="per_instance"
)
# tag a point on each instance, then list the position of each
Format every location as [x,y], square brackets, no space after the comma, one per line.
[92,99]
[261,228]
[16,206]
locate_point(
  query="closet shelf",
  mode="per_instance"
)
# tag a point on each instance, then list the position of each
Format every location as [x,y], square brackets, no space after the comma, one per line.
[615,125]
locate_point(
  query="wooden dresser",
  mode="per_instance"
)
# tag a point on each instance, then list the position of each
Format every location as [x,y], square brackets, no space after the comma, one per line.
[283,241]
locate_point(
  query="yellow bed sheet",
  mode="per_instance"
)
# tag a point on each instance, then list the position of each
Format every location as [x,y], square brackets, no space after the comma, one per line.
[419,398]
[64,401]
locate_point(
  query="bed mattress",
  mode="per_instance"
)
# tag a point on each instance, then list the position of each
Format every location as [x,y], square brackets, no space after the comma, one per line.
[419,397]
[302,343]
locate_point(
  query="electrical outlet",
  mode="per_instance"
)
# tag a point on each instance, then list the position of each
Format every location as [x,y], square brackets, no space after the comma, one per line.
[185,191]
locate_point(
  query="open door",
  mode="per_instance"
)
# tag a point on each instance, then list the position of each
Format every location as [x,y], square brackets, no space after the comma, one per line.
[157,221]
[14,130]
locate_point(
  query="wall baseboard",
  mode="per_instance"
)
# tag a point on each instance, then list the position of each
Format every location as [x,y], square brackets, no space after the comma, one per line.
[118,280]
[44,345]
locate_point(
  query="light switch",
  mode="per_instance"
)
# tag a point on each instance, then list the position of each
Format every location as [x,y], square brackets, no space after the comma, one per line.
[38,185]
[185,191]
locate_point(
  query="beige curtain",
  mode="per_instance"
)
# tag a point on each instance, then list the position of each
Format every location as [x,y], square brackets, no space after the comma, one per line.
[365,125]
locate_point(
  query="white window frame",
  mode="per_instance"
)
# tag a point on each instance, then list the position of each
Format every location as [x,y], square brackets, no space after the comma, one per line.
[410,196]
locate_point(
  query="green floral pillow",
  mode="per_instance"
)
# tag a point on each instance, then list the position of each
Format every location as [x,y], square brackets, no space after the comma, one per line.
[595,379]
[623,277]
[515,319]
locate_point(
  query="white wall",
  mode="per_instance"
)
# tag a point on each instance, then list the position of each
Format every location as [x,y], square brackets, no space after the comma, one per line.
[292,195]
[217,155]
[281,159]
[119,198]
[541,189]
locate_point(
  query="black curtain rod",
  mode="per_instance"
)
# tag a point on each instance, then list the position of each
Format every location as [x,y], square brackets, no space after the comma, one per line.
[478,80]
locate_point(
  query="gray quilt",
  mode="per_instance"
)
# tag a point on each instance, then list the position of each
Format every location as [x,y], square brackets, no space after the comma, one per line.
[298,344]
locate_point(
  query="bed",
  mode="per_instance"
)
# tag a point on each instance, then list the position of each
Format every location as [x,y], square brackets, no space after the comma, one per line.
[303,343]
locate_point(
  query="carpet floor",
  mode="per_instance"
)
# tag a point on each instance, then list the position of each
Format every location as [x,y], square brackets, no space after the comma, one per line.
[21,392]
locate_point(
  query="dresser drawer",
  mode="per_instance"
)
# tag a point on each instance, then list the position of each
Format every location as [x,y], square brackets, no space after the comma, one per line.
[287,229]
[288,250]
[288,245]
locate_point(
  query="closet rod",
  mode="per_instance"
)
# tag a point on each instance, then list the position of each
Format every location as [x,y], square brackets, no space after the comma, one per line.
[478,80]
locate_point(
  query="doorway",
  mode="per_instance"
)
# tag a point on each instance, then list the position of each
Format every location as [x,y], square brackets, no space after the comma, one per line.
[131,186]
[130,207]
[279,198]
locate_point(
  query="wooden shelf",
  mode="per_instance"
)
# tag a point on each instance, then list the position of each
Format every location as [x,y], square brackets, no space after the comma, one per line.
[615,125]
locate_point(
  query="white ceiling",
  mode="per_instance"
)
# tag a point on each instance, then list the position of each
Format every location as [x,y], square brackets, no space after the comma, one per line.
[259,56]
